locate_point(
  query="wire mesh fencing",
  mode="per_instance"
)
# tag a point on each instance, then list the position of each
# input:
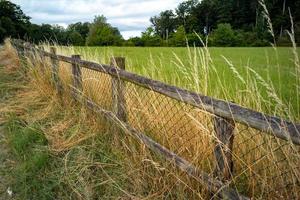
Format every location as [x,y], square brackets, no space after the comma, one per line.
[264,166]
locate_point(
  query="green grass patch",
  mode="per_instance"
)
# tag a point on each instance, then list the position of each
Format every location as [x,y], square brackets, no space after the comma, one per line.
[22,137]
[29,148]
[214,72]
[91,169]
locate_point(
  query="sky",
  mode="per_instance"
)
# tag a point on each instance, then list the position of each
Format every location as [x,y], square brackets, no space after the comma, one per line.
[131,17]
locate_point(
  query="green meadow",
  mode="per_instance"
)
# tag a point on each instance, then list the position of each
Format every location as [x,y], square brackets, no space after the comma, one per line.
[260,78]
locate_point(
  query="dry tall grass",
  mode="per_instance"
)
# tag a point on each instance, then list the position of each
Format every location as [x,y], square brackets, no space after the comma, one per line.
[9,56]
[75,136]
[264,166]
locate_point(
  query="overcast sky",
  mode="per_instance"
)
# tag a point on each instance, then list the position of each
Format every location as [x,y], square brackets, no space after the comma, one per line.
[130,16]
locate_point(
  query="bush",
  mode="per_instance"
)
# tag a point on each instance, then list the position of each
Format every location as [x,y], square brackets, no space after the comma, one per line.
[284,41]
[76,39]
[178,38]
[102,33]
[297,33]
[153,41]
[135,41]
[224,36]
[194,40]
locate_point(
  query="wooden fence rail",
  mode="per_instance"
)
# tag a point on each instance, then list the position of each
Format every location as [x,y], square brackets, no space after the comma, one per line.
[276,126]
[226,115]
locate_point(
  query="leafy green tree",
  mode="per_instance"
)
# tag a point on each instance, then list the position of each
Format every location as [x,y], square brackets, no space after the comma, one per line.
[243,14]
[34,33]
[81,28]
[60,35]
[46,33]
[297,33]
[149,37]
[2,32]
[224,35]
[9,26]
[195,40]
[102,33]
[135,41]
[224,11]
[206,16]
[184,13]
[179,37]
[12,11]
[13,21]
[76,39]
[164,24]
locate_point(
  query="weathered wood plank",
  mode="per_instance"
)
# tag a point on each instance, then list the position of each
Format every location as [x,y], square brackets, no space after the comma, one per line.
[278,127]
[275,126]
[224,145]
[55,71]
[77,76]
[118,90]
[212,185]
[42,59]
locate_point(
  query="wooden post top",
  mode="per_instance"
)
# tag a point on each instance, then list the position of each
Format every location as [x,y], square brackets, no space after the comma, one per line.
[118,62]
[76,56]
[53,50]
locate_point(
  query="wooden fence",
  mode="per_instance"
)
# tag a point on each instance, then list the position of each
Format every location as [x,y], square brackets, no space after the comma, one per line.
[226,115]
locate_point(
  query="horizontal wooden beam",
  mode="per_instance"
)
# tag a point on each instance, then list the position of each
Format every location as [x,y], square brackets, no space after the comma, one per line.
[210,183]
[276,126]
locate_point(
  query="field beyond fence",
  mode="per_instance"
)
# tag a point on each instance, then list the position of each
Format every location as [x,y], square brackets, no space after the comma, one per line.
[233,151]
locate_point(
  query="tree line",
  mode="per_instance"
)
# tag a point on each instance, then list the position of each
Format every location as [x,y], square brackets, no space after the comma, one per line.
[216,22]
[14,23]
[225,22]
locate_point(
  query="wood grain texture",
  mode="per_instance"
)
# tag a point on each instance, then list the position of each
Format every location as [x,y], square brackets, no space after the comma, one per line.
[77,76]
[118,90]
[276,126]
[42,59]
[55,70]
[273,125]
[217,187]
[224,137]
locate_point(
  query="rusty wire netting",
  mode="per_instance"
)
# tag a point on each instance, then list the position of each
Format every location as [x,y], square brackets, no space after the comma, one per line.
[264,166]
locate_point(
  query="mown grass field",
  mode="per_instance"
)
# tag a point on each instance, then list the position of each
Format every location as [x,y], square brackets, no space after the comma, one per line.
[227,73]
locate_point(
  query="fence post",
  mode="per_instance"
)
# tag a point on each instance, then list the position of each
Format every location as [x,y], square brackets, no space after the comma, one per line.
[26,51]
[30,54]
[118,90]
[20,51]
[42,59]
[77,78]
[223,150]
[55,70]
[41,50]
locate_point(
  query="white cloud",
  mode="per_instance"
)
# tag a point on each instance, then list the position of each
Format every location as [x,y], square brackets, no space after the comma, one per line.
[128,34]
[65,25]
[128,15]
